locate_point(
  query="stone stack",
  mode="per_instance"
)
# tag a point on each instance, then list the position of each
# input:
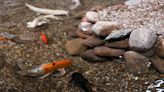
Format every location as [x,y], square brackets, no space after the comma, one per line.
[103,40]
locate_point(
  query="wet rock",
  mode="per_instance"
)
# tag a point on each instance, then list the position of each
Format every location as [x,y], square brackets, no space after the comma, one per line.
[81,34]
[92,16]
[75,46]
[158,64]
[136,63]
[119,34]
[103,28]
[2,60]
[90,56]
[160,47]
[86,27]
[93,41]
[108,52]
[148,53]
[123,44]
[142,39]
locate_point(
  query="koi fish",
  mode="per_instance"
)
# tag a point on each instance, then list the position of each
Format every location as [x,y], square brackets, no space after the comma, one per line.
[44,38]
[46,69]
[79,80]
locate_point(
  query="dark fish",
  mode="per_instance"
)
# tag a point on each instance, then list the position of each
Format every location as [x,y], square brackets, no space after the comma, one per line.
[79,80]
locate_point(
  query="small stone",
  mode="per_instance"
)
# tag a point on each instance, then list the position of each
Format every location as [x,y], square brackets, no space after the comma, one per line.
[104,28]
[108,52]
[158,64]
[93,41]
[142,39]
[160,47]
[92,16]
[80,34]
[136,63]
[75,46]
[86,27]
[90,56]
[123,44]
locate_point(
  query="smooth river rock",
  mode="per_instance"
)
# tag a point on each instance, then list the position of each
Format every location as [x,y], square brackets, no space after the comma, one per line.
[104,28]
[92,16]
[136,63]
[122,44]
[159,48]
[90,56]
[93,41]
[75,46]
[108,52]
[158,64]
[142,39]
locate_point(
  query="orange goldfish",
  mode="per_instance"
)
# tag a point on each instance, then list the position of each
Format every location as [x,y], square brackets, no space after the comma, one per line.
[44,38]
[46,69]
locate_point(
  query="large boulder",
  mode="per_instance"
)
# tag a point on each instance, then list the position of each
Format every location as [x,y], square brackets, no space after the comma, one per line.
[158,64]
[136,63]
[75,46]
[142,39]
[104,28]
[108,52]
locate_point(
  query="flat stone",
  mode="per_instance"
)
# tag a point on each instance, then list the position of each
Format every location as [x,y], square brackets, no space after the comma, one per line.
[158,64]
[93,41]
[142,39]
[80,34]
[122,44]
[160,47]
[92,16]
[108,52]
[75,46]
[90,56]
[136,63]
[104,28]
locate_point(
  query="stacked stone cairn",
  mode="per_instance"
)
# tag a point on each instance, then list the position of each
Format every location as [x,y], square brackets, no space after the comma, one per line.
[98,41]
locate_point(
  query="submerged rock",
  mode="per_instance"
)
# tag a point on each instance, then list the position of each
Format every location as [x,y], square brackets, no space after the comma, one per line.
[122,44]
[136,63]
[108,52]
[80,34]
[103,28]
[158,64]
[142,39]
[160,47]
[92,16]
[93,41]
[86,27]
[118,34]
[90,56]
[75,46]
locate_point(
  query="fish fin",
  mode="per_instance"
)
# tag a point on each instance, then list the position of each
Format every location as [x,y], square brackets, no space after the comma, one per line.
[60,72]
[42,77]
